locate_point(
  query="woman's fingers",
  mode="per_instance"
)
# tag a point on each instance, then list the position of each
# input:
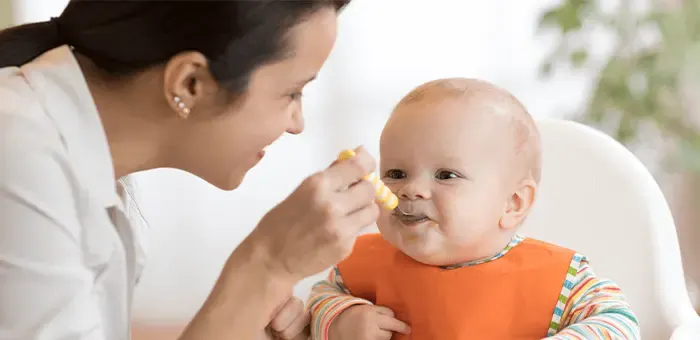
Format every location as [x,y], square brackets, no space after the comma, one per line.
[291,320]
[316,225]
[342,175]
[286,315]
[358,196]
[299,329]
[362,218]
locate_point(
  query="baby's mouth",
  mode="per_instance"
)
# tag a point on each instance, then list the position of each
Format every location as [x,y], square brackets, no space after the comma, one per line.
[411,219]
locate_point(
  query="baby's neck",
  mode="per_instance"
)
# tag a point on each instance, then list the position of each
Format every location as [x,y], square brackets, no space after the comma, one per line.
[488,252]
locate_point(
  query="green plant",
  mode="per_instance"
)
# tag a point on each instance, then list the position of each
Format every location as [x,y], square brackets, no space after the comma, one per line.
[644,83]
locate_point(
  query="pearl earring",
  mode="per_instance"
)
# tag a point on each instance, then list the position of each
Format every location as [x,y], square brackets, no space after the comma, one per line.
[184,110]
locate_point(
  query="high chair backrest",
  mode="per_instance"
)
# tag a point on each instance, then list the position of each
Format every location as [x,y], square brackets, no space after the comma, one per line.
[597,198]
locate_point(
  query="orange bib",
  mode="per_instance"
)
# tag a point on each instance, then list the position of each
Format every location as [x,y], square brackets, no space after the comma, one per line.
[510,298]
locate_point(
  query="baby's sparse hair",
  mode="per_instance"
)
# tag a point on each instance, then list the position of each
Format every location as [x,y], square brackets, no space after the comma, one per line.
[501,102]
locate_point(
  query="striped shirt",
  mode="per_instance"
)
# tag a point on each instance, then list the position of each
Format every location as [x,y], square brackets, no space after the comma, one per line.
[589,307]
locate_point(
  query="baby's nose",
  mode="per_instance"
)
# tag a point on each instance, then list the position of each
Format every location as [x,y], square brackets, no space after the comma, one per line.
[413,196]
[414,190]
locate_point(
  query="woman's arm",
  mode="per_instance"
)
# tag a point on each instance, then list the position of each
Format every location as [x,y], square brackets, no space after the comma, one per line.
[156,332]
[244,299]
[236,305]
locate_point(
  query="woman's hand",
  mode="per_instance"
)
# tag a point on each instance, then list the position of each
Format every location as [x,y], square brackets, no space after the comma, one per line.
[311,230]
[291,322]
[315,227]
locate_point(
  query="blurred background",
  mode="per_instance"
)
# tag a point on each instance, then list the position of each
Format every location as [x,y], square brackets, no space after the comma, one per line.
[628,67]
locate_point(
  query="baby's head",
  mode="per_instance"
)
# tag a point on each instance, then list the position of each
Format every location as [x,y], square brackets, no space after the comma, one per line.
[463,156]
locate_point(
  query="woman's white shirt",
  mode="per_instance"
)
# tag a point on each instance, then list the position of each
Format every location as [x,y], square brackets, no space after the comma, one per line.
[71,251]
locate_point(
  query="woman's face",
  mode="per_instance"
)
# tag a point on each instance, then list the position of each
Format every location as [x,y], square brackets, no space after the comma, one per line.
[222,148]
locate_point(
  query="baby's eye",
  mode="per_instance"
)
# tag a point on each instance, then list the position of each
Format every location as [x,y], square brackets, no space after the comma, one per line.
[446,175]
[395,174]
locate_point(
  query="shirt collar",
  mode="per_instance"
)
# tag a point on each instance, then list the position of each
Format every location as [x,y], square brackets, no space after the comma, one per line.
[513,242]
[59,83]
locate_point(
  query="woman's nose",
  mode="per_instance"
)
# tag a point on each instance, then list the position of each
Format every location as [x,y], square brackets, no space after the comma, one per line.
[297,125]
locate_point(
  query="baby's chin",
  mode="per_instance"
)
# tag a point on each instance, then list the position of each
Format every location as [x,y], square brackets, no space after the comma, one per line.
[426,256]
[426,248]
[420,247]
[433,257]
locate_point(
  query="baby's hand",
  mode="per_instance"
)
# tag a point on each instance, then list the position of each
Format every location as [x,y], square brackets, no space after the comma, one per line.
[366,322]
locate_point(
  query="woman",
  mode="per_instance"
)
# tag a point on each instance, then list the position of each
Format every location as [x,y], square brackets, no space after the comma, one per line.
[111,88]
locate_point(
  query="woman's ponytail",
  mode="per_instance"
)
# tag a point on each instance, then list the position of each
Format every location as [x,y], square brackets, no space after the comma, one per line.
[21,44]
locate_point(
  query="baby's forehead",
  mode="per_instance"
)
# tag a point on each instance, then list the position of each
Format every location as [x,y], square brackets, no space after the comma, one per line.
[465,90]
[454,106]
[448,126]
[456,111]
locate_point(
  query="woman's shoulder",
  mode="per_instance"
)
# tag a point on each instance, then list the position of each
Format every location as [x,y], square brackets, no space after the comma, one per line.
[47,116]
[42,96]
[31,149]
[22,115]
[24,125]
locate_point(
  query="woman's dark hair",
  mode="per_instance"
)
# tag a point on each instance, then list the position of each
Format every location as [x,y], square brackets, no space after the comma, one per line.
[124,37]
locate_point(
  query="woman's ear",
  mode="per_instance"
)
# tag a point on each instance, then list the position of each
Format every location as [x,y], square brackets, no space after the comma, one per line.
[518,206]
[186,81]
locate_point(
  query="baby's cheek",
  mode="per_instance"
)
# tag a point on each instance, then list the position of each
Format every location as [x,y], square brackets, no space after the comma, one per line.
[461,226]
[450,201]
[456,233]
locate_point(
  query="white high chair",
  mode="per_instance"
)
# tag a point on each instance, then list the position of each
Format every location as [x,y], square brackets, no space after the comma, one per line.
[597,198]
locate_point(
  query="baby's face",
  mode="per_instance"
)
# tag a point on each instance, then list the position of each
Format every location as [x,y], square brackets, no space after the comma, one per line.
[451,167]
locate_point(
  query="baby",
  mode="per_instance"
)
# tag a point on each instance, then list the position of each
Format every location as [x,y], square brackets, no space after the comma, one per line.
[463,156]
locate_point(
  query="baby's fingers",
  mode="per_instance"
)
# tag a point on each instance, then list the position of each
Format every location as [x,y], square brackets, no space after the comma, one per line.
[389,323]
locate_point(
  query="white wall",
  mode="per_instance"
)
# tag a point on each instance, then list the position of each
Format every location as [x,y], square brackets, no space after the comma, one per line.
[36,10]
[384,49]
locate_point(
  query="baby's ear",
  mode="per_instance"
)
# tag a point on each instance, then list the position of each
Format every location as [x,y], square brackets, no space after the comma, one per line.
[519,204]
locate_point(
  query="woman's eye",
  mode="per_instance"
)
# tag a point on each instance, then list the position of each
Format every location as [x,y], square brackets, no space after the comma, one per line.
[296,95]
[446,175]
[395,174]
